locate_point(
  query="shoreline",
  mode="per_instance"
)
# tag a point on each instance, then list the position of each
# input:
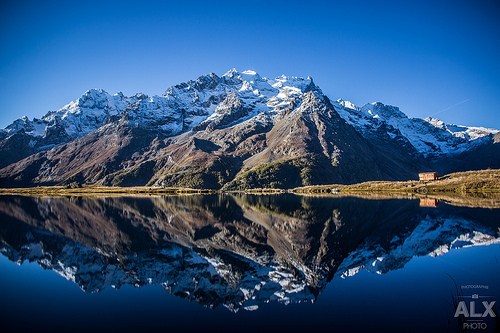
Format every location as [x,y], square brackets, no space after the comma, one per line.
[482,181]
[469,182]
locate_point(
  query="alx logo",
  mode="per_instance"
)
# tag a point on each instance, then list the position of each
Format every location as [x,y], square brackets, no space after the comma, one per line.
[477,311]
[471,311]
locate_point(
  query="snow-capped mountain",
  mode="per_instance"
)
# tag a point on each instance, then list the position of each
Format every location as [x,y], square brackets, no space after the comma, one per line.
[77,118]
[217,129]
[186,105]
[179,109]
[429,137]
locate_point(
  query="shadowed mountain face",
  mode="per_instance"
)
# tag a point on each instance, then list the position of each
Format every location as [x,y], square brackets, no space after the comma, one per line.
[240,130]
[235,251]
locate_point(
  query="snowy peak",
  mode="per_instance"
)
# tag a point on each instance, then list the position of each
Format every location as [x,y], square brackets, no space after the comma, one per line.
[206,98]
[346,105]
[247,75]
[250,80]
[430,138]
[296,84]
[79,117]
[464,132]
[372,112]
[204,82]
[382,111]
[218,102]
[90,111]
[22,123]
[93,98]
[231,73]
[96,102]
[180,108]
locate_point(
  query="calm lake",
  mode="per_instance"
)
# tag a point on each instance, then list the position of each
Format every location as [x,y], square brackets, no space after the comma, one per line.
[256,263]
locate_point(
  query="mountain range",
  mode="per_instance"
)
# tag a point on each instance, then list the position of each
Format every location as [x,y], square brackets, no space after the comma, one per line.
[236,131]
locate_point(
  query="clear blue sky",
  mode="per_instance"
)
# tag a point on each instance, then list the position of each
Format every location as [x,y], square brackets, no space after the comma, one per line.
[430,58]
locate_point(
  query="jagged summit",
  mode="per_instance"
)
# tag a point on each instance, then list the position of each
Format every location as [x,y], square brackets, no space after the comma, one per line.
[248,121]
[429,137]
[199,98]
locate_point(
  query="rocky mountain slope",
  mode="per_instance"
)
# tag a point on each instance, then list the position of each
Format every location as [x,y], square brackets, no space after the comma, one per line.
[240,130]
[240,252]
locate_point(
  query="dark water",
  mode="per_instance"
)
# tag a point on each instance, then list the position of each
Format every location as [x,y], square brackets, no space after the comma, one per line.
[247,263]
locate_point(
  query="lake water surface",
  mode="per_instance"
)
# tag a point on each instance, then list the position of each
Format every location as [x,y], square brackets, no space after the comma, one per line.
[242,263]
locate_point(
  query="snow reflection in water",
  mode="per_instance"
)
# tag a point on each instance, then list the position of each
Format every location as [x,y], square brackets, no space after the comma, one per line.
[238,251]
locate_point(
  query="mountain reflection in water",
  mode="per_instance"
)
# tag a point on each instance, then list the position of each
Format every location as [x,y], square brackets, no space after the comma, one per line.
[239,251]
